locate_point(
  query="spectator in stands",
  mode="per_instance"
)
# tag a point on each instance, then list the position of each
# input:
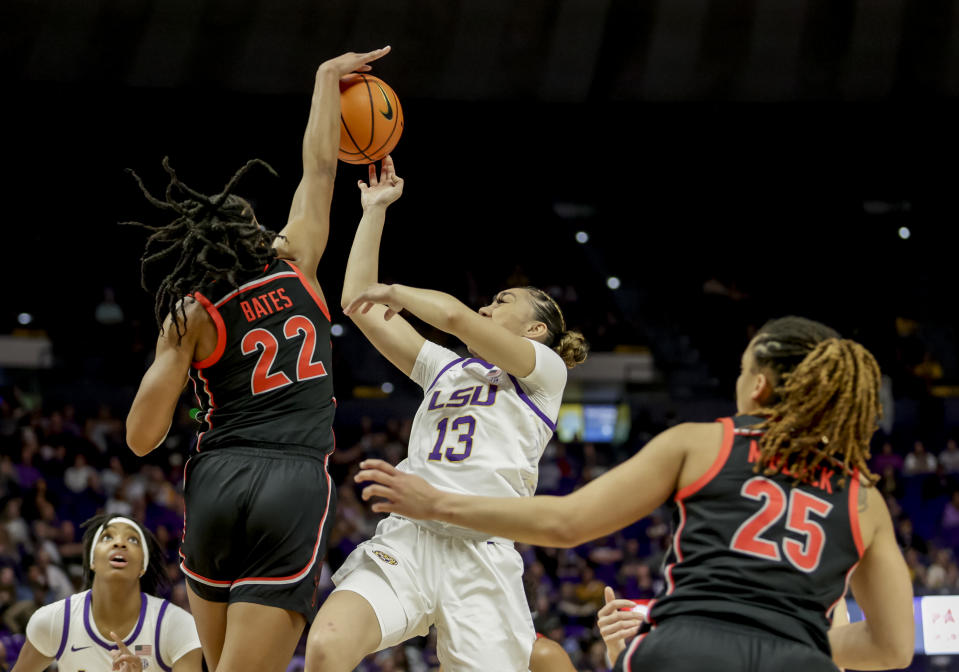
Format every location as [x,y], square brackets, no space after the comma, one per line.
[889,484]
[38,594]
[908,539]
[919,461]
[949,457]
[80,476]
[938,572]
[950,521]
[887,457]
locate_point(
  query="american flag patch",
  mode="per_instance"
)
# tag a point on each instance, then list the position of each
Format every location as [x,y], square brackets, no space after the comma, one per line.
[143,650]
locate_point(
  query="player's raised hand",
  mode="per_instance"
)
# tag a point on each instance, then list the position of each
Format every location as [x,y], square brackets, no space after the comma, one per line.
[382,190]
[378,293]
[124,660]
[616,625]
[352,61]
[405,494]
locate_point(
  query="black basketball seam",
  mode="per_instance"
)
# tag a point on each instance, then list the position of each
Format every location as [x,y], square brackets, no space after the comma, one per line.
[350,133]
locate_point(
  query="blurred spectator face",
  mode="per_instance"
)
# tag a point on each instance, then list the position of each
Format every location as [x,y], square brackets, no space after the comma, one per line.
[918,448]
[7,577]
[887,448]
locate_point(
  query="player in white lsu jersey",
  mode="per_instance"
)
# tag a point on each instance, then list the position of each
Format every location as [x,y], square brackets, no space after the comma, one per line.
[483,424]
[123,567]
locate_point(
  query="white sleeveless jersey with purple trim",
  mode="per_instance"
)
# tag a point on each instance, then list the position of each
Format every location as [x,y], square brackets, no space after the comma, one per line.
[479,430]
[66,631]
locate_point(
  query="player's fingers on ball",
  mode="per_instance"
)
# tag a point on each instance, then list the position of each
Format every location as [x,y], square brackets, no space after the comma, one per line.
[372,174]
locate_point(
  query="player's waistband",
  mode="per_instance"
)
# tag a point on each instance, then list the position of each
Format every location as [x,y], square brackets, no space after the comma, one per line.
[455,531]
[268,450]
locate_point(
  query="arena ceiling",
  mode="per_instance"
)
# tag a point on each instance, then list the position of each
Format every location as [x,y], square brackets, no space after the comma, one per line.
[536,50]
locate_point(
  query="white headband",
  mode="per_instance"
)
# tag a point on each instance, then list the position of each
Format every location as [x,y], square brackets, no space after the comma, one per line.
[131,523]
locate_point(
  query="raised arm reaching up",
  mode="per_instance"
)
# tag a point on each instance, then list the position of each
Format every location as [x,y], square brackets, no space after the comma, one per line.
[304,237]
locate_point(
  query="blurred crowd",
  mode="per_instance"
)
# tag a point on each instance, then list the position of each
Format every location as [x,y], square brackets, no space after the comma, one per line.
[57,469]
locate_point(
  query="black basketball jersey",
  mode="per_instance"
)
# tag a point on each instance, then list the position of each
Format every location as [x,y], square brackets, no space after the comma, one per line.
[761,550]
[268,381]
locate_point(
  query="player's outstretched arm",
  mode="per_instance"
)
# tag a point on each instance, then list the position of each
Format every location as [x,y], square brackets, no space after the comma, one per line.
[307,229]
[593,511]
[395,339]
[31,660]
[153,407]
[881,586]
[512,353]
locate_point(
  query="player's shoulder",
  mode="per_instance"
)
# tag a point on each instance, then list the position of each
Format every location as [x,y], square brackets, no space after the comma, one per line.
[55,611]
[52,610]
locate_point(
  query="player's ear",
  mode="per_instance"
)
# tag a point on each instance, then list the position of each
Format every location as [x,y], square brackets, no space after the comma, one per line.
[762,391]
[536,330]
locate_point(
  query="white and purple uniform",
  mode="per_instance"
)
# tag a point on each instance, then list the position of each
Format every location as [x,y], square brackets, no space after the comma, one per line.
[478,431]
[65,630]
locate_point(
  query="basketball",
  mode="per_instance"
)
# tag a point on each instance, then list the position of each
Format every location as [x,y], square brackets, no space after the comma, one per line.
[371,119]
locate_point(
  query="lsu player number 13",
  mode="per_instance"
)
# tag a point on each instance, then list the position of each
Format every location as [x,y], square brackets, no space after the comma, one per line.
[481,428]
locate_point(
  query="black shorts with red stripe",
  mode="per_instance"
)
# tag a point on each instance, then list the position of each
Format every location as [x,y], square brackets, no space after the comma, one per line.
[695,643]
[256,526]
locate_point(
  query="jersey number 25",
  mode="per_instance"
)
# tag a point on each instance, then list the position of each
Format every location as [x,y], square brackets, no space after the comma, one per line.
[803,555]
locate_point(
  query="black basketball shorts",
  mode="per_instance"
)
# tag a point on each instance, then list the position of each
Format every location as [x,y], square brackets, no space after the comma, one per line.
[256,526]
[695,644]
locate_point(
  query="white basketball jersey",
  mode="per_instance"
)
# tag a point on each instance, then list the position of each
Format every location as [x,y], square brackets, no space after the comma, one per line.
[65,630]
[479,430]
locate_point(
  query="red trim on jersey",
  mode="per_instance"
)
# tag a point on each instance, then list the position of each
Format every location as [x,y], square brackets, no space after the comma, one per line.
[199,577]
[718,463]
[630,651]
[854,511]
[316,547]
[253,284]
[540,635]
[677,549]
[206,416]
[309,288]
[649,611]
[220,333]
[845,589]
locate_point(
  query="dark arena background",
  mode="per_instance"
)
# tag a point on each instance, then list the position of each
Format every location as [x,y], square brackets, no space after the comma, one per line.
[674,173]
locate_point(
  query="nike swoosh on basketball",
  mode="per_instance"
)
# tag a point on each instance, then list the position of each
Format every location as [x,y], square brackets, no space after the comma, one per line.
[389,107]
[79,648]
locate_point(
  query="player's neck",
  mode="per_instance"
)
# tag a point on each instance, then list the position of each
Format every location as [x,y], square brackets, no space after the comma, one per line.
[115,607]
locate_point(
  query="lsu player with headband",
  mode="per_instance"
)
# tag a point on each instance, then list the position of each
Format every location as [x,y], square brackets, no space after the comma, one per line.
[243,317]
[481,428]
[775,515]
[123,567]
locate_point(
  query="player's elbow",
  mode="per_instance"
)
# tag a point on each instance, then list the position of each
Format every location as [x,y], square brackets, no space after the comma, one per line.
[138,446]
[139,439]
[899,652]
[564,530]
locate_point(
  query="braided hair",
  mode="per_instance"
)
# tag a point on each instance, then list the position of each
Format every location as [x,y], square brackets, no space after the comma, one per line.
[570,345]
[825,403]
[155,576]
[212,239]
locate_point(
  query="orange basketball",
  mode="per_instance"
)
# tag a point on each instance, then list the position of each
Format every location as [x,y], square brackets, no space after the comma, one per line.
[371,119]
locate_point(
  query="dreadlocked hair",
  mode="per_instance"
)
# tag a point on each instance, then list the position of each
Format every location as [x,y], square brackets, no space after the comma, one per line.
[825,399]
[155,577]
[571,346]
[213,239]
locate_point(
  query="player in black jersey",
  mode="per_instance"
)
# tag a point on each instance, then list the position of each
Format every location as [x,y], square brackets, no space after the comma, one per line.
[774,510]
[243,317]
